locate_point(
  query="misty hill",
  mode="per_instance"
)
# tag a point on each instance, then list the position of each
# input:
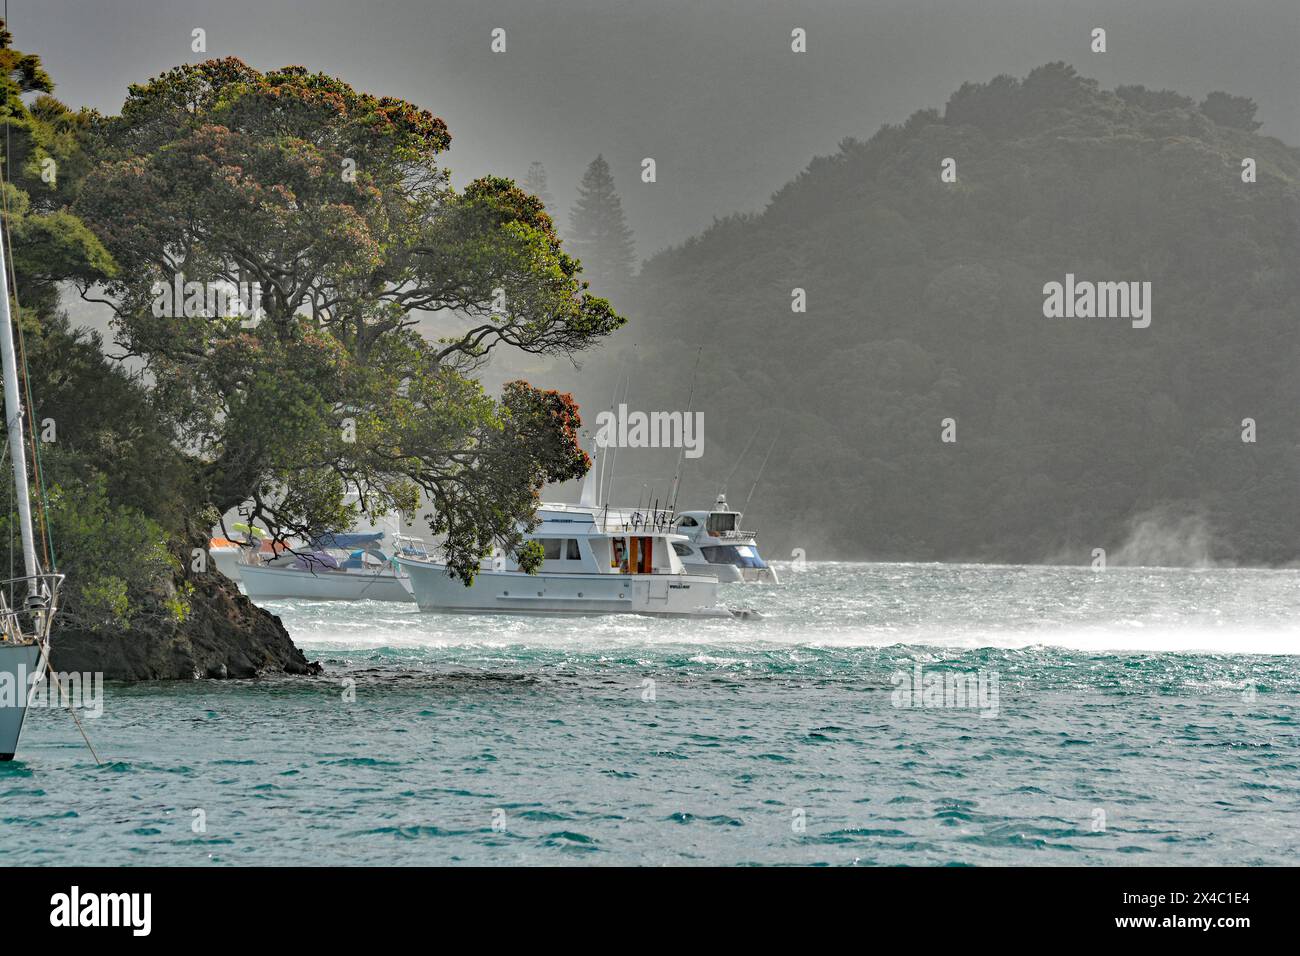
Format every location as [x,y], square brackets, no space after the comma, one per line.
[925,301]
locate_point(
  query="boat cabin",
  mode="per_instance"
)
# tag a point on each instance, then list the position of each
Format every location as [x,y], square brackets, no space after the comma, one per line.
[582,540]
[717,537]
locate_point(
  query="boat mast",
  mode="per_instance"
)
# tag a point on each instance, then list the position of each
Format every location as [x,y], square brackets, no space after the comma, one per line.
[14,421]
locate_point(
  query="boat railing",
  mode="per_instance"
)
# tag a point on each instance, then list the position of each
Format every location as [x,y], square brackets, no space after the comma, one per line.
[733,535]
[651,520]
[410,547]
[30,620]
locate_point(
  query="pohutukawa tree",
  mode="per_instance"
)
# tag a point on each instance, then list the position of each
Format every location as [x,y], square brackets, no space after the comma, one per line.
[331,204]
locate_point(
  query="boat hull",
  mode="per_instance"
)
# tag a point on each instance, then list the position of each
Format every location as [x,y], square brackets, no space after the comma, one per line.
[722,573]
[732,574]
[760,575]
[566,595]
[270,584]
[227,561]
[18,663]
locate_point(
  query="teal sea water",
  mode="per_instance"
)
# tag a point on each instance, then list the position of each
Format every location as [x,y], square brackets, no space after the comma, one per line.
[1141,716]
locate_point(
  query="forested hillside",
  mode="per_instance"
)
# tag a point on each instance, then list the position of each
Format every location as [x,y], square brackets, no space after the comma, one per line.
[925,301]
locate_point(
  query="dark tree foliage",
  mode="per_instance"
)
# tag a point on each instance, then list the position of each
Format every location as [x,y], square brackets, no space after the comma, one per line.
[925,302]
[1154,100]
[1225,109]
[108,472]
[334,204]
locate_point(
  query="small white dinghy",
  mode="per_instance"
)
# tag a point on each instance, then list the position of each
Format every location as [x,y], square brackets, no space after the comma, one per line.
[364,575]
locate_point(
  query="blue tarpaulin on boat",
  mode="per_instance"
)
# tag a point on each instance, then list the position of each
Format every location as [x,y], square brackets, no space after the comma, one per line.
[315,561]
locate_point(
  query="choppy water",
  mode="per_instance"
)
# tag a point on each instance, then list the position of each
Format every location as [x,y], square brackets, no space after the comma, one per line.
[1142,716]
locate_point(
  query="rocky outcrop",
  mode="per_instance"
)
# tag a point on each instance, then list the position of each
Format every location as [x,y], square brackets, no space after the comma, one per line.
[224,635]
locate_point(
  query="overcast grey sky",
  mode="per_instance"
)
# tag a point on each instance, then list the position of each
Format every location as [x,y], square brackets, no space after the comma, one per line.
[709,88]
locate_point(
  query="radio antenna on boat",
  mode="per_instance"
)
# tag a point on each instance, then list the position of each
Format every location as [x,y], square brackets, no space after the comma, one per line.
[681,454]
[723,489]
[600,484]
[761,469]
[607,491]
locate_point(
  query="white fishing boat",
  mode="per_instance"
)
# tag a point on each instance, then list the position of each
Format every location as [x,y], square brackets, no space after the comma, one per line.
[27,604]
[225,555]
[340,568]
[716,544]
[595,563]
[230,554]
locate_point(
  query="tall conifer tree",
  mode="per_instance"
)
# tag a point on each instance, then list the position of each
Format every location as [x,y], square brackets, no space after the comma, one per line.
[536,184]
[598,231]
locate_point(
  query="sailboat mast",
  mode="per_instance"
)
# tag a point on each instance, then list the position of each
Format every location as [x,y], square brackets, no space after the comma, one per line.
[14,420]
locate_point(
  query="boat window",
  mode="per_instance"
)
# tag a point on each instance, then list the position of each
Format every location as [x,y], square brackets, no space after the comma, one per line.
[722,521]
[560,549]
[742,556]
[682,549]
[689,522]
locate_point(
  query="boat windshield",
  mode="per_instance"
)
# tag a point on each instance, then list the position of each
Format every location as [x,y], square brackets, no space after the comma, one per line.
[722,521]
[740,555]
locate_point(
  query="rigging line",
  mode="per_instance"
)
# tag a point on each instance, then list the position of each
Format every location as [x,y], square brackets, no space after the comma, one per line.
[10,513]
[64,696]
[761,469]
[600,480]
[613,458]
[681,454]
[4,197]
[47,540]
[740,459]
[9,27]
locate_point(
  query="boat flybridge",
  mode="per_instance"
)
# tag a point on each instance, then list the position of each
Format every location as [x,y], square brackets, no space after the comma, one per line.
[716,544]
[596,561]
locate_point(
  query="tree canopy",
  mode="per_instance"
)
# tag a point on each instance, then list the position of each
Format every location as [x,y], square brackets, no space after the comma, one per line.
[330,204]
[105,460]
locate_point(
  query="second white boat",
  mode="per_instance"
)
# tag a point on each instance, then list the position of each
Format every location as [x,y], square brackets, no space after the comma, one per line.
[590,567]
[365,575]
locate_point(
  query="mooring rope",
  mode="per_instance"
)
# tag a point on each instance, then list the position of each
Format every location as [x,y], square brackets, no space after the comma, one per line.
[63,695]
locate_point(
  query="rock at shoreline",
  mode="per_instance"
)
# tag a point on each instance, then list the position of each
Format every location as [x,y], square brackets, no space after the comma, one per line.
[224,636]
